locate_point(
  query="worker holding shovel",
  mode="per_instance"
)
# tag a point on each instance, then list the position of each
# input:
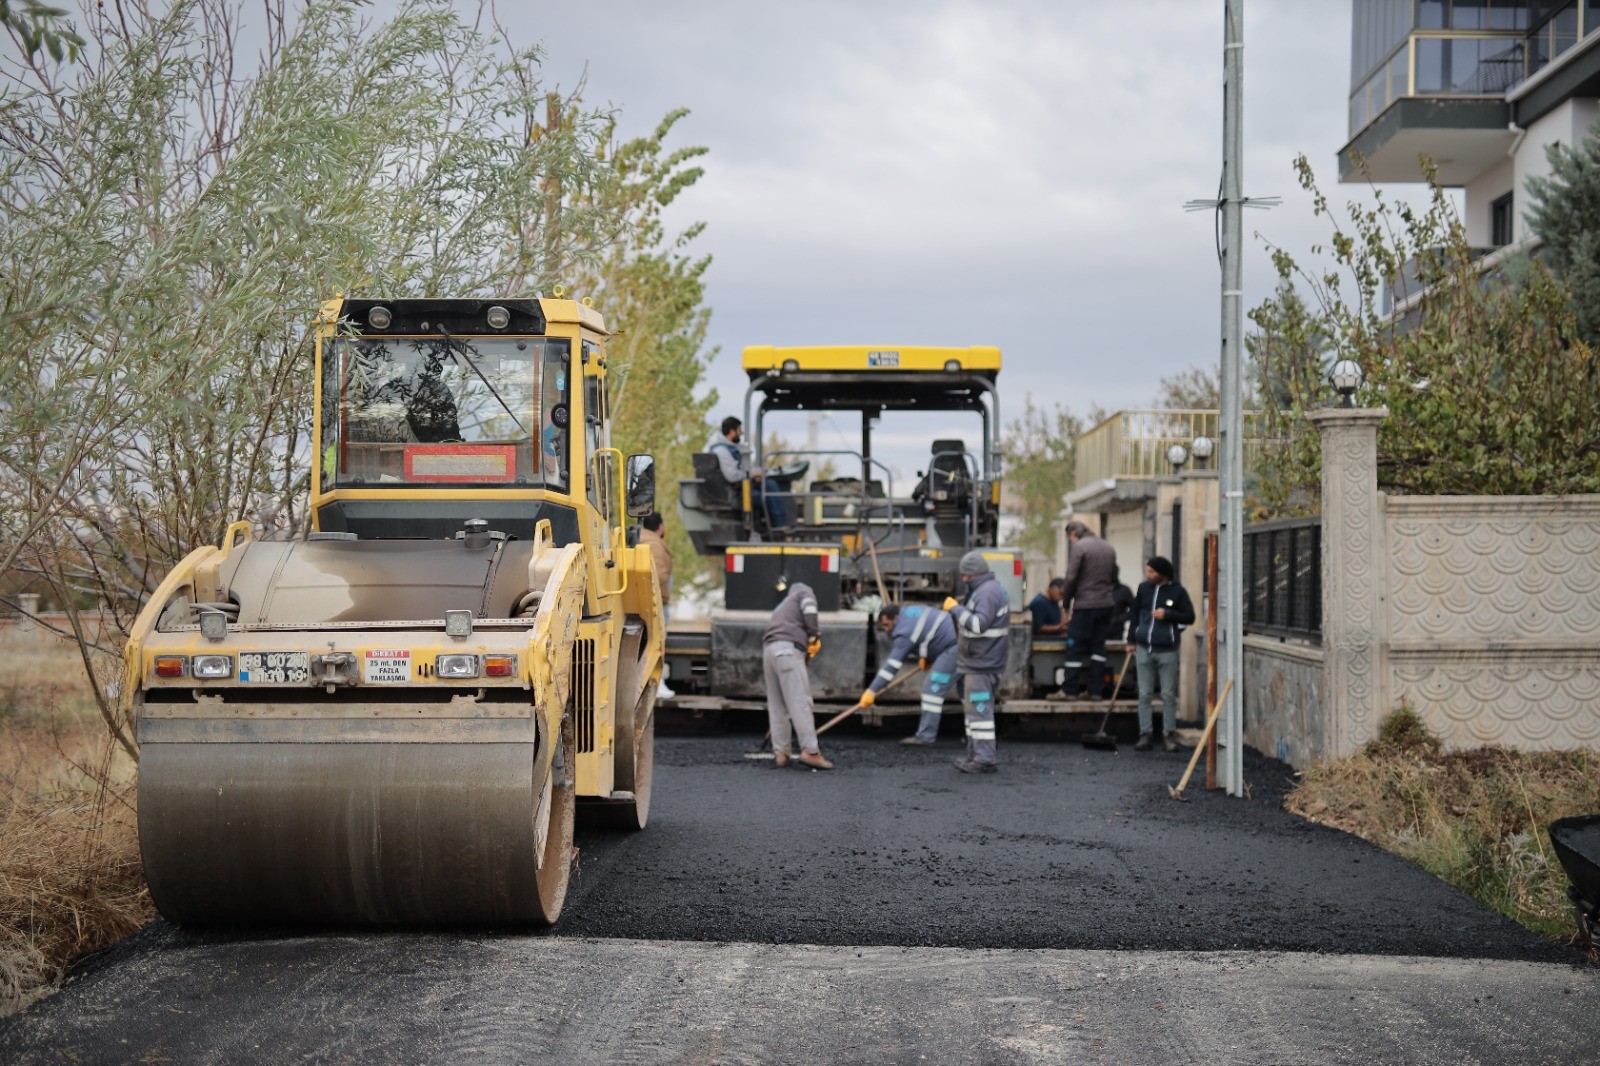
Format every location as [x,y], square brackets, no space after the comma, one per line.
[983,625]
[927,633]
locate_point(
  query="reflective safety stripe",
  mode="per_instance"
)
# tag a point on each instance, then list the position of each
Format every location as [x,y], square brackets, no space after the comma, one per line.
[980,730]
[808,607]
[1073,665]
[972,623]
[892,664]
[922,620]
[885,675]
[932,703]
[998,631]
[1097,658]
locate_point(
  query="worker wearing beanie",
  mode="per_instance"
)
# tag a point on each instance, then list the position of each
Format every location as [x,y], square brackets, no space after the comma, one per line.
[983,629]
[1161,608]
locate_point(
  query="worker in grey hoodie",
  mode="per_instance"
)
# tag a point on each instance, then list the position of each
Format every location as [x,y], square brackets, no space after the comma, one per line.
[793,636]
[983,631]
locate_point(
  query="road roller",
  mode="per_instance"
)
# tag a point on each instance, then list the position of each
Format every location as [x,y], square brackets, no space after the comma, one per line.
[397,719]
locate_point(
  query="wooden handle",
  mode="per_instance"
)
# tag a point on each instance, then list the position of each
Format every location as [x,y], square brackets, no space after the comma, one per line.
[1211,724]
[842,715]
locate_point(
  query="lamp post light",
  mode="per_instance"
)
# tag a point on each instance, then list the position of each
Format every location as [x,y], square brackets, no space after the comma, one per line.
[1201,448]
[1346,377]
[1177,455]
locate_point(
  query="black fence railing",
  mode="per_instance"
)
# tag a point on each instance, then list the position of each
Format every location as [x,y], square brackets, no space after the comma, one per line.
[1283,578]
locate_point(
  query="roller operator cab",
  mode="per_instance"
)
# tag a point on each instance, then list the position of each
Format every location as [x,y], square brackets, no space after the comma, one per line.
[838,519]
[396,720]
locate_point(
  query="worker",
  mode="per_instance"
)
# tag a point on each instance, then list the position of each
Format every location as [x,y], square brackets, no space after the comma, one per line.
[793,636]
[983,626]
[1162,609]
[928,633]
[653,535]
[1090,595]
[1048,617]
[726,445]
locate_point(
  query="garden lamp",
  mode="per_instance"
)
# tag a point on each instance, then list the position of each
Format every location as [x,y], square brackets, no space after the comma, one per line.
[1346,377]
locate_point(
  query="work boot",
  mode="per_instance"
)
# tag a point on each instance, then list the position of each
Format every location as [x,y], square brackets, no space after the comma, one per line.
[780,759]
[1143,743]
[1169,743]
[815,760]
[914,741]
[973,766]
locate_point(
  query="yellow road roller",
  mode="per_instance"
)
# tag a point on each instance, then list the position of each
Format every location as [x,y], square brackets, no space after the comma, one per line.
[396,720]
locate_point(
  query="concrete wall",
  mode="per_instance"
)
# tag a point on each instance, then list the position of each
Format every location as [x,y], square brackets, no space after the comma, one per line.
[1283,700]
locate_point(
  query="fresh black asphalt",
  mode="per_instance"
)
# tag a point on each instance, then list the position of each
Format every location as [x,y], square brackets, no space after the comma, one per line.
[841,895]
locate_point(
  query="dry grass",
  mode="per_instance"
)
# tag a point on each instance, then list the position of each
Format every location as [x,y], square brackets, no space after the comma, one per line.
[1476,819]
[70,878]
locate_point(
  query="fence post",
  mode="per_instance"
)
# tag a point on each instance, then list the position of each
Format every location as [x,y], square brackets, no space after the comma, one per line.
[1353,629]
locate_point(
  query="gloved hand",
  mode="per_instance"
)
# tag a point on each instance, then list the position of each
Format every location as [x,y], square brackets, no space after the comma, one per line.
[922,664]
[813,646]
[950,601]
[868,698]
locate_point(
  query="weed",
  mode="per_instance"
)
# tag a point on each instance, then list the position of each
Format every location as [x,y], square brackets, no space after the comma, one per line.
[1477,819]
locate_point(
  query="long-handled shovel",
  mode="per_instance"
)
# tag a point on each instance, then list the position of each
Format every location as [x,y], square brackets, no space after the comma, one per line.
[765,750]
[1100,738]
[1211,724]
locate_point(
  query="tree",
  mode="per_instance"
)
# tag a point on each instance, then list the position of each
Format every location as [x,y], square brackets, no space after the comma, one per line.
[1565,213]
[1286,365]
[173,223]
[1038,450]
[1197,388]
[37,27]
[1489,387]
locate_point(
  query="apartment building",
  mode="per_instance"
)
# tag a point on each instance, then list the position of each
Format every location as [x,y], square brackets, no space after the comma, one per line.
[1482,87]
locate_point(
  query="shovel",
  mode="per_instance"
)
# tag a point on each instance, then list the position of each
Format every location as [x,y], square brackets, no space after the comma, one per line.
[1100,739]
[1211,724]
[765,750]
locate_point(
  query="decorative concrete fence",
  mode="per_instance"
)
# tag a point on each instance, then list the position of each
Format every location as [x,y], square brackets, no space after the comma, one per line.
[1481,613]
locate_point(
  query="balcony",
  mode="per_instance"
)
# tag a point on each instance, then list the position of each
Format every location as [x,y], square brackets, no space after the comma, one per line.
[1133,444]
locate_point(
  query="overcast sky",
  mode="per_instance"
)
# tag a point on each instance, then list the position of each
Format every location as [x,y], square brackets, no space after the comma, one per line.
[1008,173]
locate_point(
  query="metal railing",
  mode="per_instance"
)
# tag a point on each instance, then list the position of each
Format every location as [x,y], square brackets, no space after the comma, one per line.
[1283,578]
[1133,444]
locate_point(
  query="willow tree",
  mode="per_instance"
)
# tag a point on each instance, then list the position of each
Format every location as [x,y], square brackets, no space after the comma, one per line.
[174,214]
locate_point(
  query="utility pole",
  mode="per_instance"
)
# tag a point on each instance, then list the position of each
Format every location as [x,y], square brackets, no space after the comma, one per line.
[1230,636]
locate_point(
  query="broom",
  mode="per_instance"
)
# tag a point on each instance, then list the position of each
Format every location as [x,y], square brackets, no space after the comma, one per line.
[1100,739]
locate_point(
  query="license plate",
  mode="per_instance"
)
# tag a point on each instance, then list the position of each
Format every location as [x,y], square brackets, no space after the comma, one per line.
[274,667]
[883,359]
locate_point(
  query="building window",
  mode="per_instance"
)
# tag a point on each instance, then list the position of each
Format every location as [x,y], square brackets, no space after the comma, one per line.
[1501,221]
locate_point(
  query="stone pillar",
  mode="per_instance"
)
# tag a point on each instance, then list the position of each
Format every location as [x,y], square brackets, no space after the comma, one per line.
[1199,518]
[29,602]
[1353,623]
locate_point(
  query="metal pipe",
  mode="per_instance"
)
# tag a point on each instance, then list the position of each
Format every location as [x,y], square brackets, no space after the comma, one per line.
[1230,636]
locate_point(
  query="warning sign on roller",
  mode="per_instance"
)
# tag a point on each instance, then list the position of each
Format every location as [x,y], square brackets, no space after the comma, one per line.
[387,667]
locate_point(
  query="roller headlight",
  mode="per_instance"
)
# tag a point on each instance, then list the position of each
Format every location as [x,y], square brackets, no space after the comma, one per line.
[456,666]
[379,318]
[212,667]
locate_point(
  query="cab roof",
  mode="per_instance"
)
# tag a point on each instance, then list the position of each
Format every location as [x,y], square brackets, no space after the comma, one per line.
[870,360]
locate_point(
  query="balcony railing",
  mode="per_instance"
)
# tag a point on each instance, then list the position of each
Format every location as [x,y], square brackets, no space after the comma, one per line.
[1133,444]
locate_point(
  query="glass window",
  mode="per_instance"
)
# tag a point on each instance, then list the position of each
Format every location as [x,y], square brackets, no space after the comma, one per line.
[1506,15]
[1591,16]
[1469,14]
[1400,73]
[442,410]
[1564,30]
[1430,65]
[1430,14]
[1501,221]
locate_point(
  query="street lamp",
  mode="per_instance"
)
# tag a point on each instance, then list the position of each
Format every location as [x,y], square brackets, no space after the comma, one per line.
[1177,455]
[1201,448]
[1346,377]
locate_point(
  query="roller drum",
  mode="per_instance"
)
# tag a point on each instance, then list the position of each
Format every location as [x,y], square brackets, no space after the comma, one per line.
[253,828]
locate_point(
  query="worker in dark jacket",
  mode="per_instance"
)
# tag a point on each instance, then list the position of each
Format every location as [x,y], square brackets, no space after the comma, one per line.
[983,629]
[793,635]
[1161,608]
[926,633]
[1091,599]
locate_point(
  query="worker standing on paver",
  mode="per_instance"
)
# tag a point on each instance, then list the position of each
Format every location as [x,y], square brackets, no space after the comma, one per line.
[983,625]
[1090,595]
[929,634]
[793,636]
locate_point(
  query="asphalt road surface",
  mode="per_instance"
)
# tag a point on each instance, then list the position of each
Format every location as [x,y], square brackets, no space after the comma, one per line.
[893,910]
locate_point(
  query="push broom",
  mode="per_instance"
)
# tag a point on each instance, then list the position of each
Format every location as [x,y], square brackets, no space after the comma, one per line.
[1100,739]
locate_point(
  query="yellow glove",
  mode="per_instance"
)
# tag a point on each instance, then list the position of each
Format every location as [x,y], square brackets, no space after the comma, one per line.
[950,601]
[922,664]
[813,646]
[868,698]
